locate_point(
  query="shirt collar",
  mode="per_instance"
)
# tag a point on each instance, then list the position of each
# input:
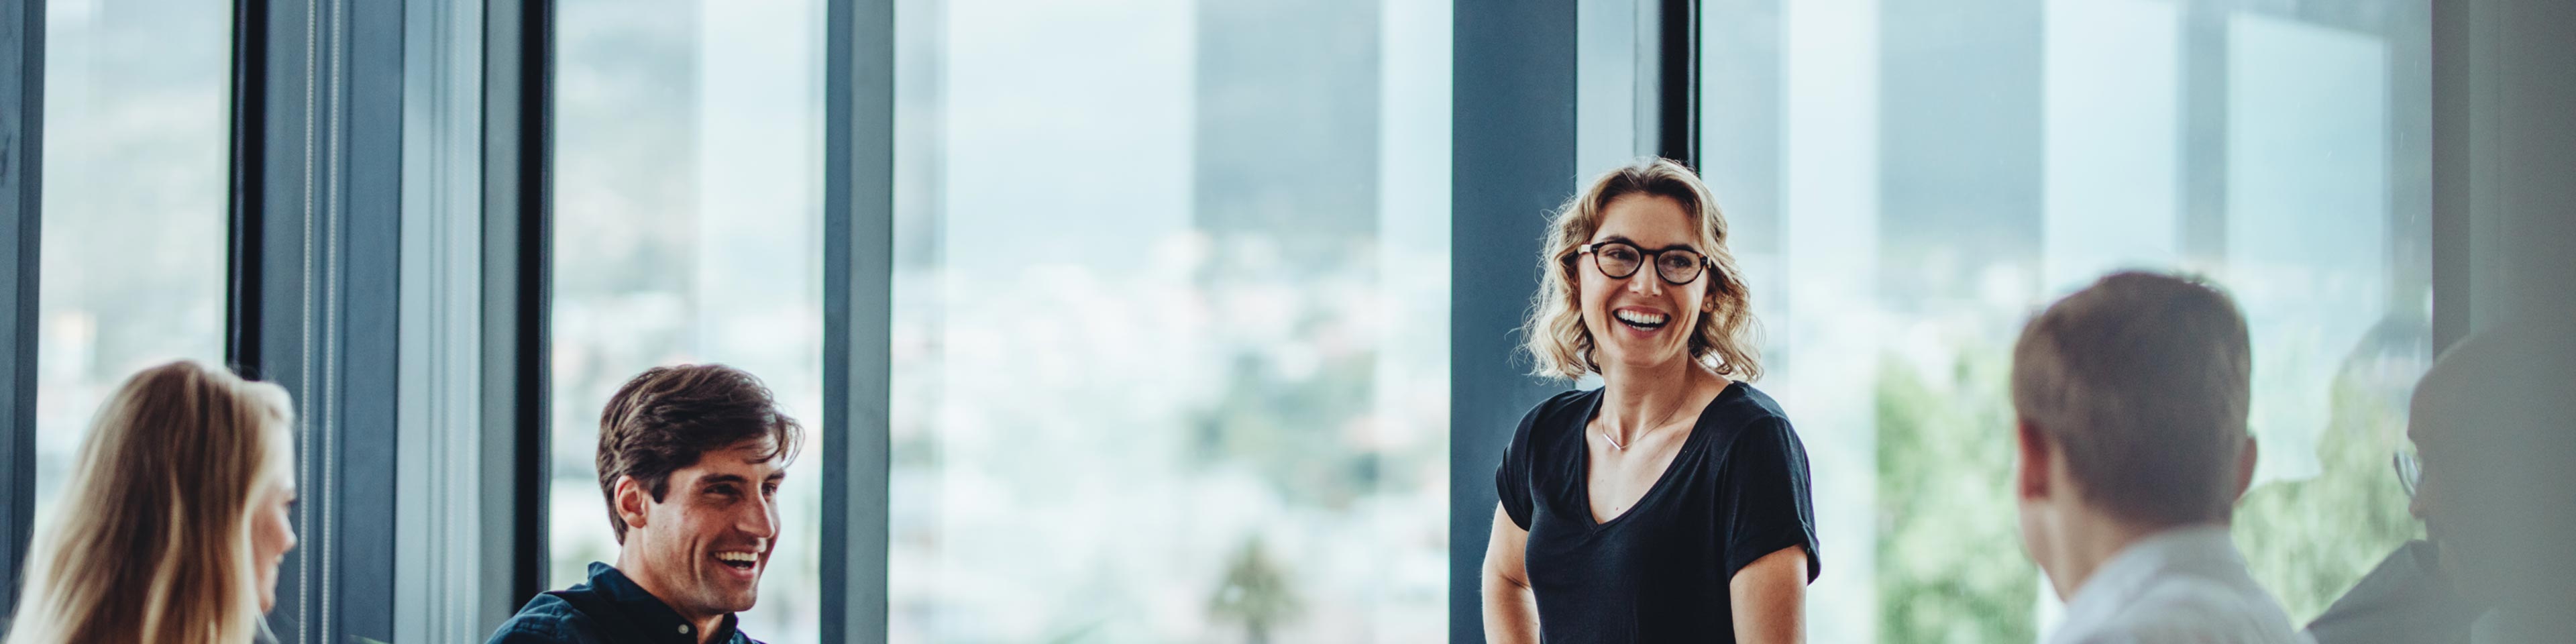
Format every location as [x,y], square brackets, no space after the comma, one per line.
[648,611]
[2118,581]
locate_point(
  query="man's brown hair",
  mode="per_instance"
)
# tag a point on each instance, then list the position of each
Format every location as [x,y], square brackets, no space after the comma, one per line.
[664,419]
[2142,381]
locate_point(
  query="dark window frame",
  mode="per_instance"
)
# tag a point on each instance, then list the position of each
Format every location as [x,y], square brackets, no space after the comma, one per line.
[314,288]
[518,274]
[22,129]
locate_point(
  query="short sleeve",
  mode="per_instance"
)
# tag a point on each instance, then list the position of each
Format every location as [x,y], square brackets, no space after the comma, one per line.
[1768,506]
[1512,478]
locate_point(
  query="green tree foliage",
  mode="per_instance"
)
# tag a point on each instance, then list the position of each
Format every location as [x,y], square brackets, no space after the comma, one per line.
[1950,562]
[2307,541]
[1255,594]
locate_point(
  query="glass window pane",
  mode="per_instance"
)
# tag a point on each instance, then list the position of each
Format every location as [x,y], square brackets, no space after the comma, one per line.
[1171,322]
[687,229]
[137,93]
[1908,182]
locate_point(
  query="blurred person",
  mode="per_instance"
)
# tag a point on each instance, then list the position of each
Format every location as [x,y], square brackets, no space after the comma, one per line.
[690,460]
[1671,504]
[2494,422]
[174,520]
[2408,597]
[2130,398]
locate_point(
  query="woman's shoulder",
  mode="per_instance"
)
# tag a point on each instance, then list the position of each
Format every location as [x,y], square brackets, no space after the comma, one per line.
[1753,424]
[1565,403]
[1745,440]
[1571,407]
[1743,405]
[1569,400]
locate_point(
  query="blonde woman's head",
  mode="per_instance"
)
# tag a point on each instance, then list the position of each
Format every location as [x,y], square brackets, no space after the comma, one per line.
[1637,273]
[174,520]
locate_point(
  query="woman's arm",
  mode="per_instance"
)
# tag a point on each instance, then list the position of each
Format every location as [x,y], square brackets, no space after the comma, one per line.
[1768,598]
[1511,612]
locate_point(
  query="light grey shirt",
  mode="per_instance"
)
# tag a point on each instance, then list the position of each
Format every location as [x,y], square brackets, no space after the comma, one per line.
[2181,585]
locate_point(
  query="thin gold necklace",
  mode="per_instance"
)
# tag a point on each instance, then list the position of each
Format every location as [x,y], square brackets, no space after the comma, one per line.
[1617,446]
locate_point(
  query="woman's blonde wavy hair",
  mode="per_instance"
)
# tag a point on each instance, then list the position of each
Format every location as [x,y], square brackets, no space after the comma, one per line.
[1721,340]
[151,541]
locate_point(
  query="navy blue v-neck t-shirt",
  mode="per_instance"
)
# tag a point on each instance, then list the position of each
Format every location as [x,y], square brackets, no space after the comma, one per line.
[1736,491]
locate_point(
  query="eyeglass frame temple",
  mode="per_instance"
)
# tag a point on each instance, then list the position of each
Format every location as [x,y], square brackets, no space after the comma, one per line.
[2410,472]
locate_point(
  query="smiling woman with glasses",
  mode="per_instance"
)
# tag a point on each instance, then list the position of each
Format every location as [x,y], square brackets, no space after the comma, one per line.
[1671,504]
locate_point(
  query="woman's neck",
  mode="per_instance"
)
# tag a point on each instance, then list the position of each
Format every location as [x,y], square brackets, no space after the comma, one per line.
[1636,399]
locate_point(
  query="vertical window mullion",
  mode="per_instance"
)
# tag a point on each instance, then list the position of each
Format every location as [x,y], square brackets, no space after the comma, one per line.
[1677,82]
[316,307]
[518,74]
[245,233]
[20,221]
[858,251]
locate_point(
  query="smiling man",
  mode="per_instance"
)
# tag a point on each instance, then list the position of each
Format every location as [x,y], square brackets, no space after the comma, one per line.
[690,460]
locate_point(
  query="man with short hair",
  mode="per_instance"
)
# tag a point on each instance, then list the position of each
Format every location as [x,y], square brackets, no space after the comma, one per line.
[2131,398]
[690,460]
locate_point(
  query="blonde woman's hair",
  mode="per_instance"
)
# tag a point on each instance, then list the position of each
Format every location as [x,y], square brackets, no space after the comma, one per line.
[151,541]
[1720,339]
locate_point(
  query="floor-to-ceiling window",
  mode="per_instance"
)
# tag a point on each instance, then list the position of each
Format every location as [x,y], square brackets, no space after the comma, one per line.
[136,99]
[1909,182]
[1170,330]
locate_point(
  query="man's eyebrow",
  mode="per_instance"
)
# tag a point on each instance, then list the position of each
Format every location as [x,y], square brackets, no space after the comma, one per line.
[777,476]
[713,479]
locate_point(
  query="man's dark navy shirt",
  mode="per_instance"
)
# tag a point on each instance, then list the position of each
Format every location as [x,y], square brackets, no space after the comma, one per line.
[611,608]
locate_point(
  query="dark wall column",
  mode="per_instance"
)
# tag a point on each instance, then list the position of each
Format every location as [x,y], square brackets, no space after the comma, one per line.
[2504,148]
[1512,161]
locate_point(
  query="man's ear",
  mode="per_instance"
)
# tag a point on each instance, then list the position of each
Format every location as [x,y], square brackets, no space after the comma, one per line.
[631,500]
[2245,460]
[2030,474]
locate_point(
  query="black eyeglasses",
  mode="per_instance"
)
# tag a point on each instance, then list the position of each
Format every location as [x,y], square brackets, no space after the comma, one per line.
[1618,259]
